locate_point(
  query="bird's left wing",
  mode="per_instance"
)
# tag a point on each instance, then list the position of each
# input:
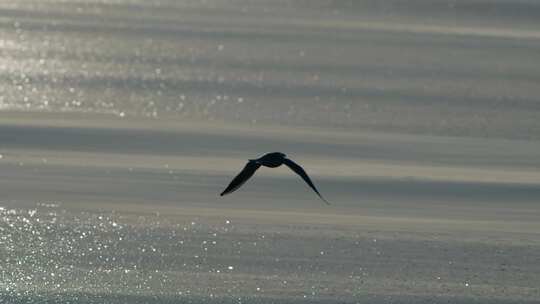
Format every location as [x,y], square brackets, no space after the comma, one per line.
[242,177]
[298,170]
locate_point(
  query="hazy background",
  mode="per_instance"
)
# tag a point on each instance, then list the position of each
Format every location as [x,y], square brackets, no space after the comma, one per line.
[121,122]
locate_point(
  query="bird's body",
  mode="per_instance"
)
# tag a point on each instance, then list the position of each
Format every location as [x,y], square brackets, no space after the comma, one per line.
[271,160]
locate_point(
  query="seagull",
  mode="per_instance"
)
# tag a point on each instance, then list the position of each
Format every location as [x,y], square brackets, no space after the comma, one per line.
[271,160]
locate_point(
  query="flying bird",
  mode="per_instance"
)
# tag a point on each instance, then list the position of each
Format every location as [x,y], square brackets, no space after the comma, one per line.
[271,160]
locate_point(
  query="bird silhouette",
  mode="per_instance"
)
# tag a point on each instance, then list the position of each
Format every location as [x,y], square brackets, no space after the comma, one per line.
[271,160]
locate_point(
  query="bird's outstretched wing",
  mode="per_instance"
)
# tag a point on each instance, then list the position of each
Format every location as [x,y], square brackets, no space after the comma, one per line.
[296,168]
[242,177]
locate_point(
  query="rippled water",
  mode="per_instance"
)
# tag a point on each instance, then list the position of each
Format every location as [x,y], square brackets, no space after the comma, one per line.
[330,64]
[52,255]
[122,120]
[49,251]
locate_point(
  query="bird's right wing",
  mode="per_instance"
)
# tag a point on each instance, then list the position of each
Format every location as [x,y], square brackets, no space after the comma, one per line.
[242,177]
[298,170]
